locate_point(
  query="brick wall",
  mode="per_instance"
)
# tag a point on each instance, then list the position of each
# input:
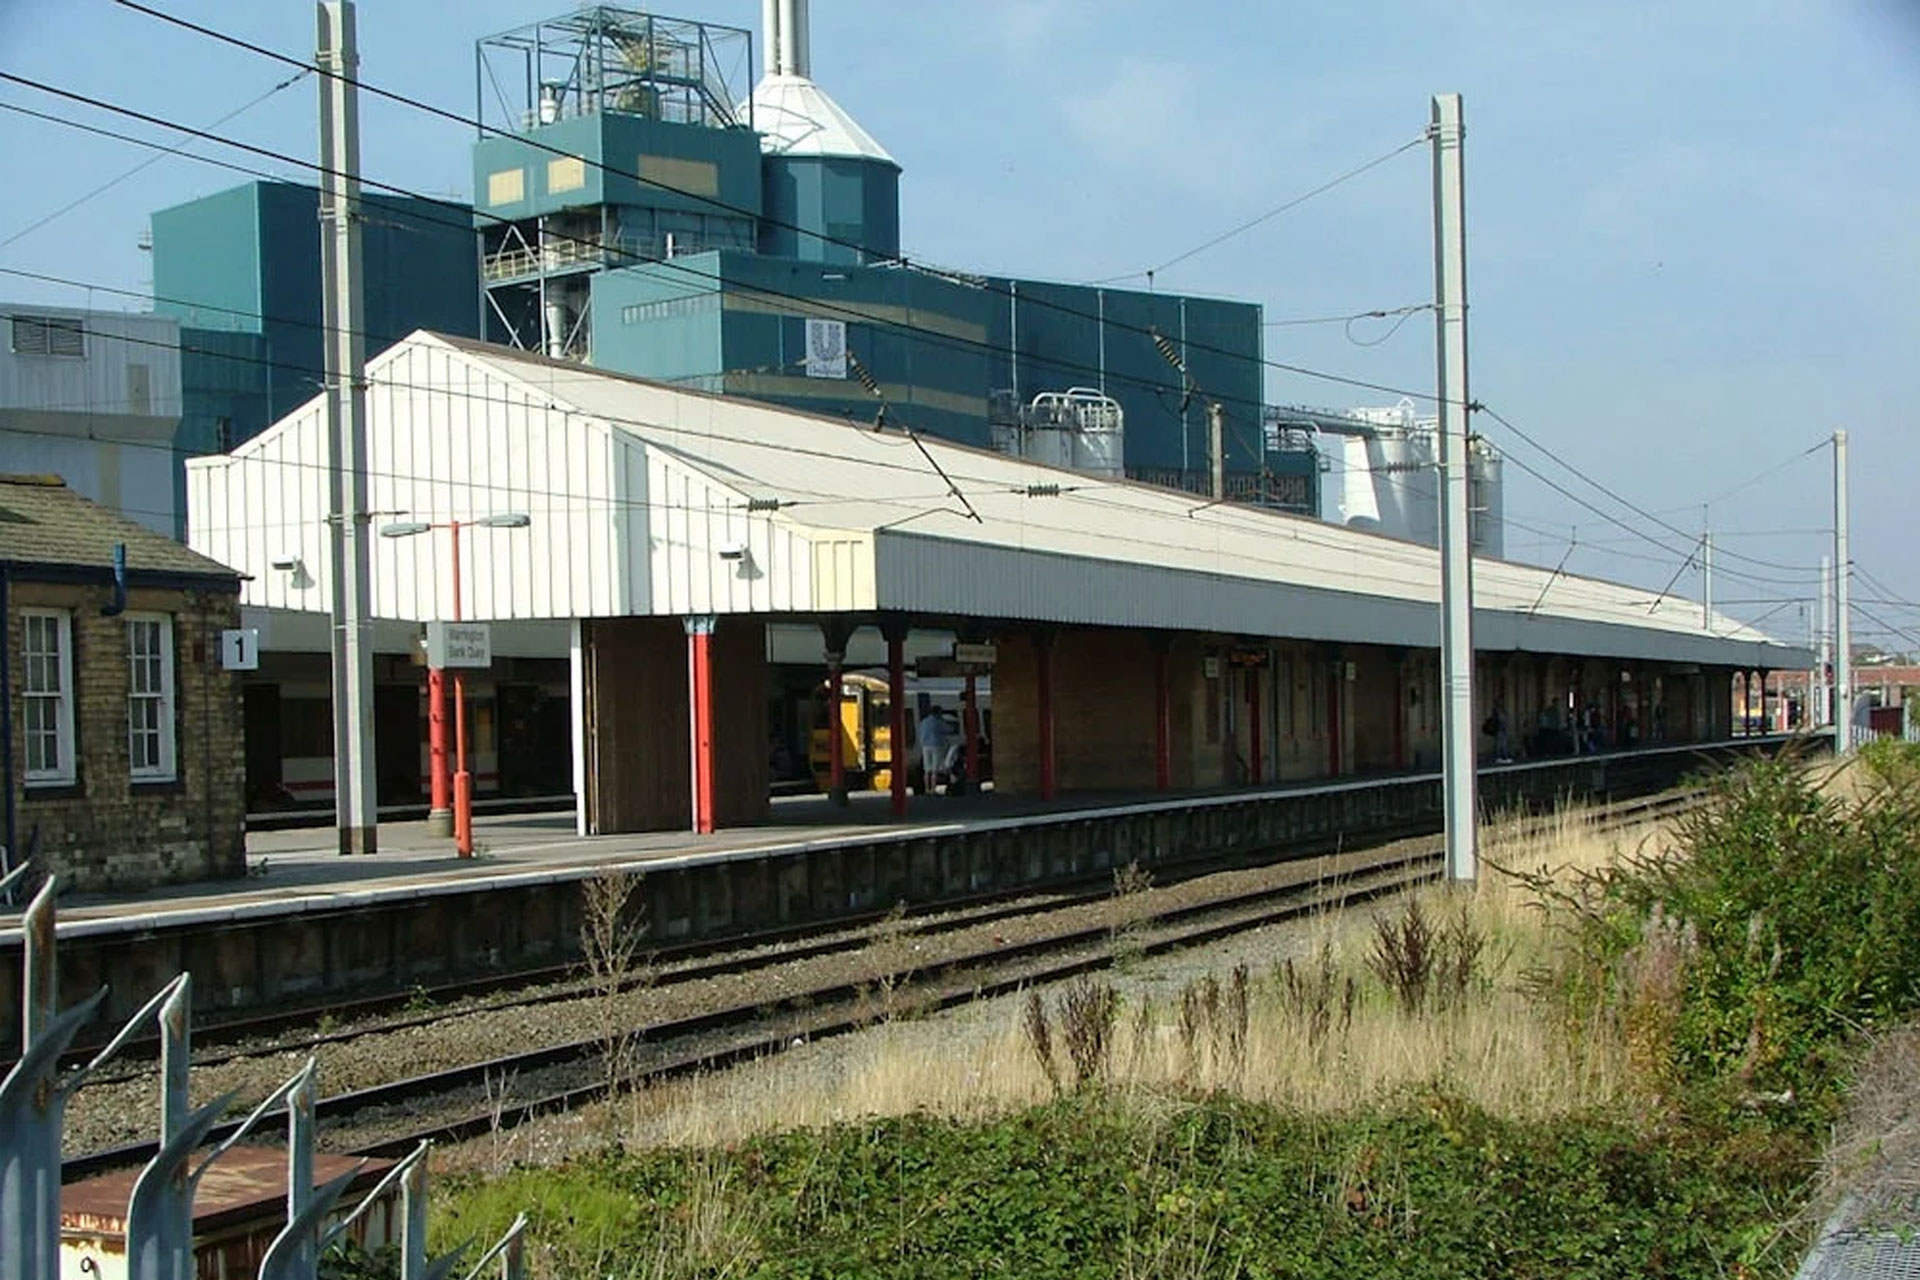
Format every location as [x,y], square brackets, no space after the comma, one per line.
[106,831]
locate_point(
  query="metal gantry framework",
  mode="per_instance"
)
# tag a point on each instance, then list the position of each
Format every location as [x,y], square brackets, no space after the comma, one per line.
[602,58]
[159,1218]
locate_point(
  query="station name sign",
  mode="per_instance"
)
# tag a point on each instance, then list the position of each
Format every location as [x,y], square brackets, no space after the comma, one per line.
[966,660]
[459,644]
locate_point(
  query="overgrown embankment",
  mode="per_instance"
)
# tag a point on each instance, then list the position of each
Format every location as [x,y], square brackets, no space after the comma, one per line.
[1622,1068]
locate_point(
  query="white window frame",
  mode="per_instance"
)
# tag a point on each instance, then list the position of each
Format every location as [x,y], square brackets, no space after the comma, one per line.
[166,767]
[62,698]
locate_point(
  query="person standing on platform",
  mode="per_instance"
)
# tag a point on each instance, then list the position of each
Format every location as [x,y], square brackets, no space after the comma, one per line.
[932,736]
[1497,725]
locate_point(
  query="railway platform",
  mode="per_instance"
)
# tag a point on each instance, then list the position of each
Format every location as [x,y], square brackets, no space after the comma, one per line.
[307,925]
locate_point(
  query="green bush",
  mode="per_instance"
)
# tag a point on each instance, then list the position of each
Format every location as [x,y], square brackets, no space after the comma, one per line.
[1090,1187]
[1741,968]
[1803,911]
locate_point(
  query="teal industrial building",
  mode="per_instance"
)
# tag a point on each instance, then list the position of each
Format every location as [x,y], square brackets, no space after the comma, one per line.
[642,205]
[240,270]
[640,211]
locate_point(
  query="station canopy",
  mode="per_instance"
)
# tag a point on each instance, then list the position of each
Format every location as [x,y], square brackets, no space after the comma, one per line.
[647,498]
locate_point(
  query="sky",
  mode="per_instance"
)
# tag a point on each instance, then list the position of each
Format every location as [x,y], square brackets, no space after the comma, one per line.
[1692,252]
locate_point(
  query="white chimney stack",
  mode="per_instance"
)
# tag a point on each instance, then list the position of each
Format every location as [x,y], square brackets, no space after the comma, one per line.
[785,25]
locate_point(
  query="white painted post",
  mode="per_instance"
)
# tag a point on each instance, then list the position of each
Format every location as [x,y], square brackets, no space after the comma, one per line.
[1456,549]
[1842,589]
[344,314]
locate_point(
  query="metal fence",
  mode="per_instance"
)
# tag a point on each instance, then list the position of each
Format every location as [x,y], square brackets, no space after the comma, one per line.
[159,1217]
[1909,732]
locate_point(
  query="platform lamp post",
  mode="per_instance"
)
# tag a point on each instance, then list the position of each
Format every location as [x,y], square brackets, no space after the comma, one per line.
[459,816]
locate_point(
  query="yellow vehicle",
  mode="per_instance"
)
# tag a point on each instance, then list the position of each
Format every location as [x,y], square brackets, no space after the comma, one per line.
[866,735]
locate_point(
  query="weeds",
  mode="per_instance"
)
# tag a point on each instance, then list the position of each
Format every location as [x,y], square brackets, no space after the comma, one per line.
[1131,883]
[1314,996]
[1088,1011]
[891,955]
[612,930]
[1427,965]
[1039,1033]
[1213,1023]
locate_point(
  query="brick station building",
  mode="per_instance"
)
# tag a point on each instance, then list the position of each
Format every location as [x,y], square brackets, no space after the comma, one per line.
[122,733]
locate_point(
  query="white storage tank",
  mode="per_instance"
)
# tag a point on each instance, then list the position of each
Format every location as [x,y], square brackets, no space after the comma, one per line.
[1486,500]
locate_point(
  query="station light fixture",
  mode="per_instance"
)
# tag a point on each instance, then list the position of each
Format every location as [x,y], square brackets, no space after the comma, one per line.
[404,528]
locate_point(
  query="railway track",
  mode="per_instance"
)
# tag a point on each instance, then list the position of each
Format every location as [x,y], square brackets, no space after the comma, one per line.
[346,1021]
[389,1118]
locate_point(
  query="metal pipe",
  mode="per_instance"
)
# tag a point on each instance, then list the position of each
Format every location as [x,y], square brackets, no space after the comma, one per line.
[789,65]
[800,33]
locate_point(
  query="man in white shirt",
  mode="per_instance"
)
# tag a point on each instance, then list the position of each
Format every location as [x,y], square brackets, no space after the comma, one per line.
[932,737]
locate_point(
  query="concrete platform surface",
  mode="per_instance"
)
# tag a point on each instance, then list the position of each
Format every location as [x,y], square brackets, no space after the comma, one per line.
[298,871]
[302,870]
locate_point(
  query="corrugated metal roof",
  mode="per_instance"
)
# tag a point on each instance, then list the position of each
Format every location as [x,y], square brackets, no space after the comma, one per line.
[44,522]
[246,1182]
[874,519]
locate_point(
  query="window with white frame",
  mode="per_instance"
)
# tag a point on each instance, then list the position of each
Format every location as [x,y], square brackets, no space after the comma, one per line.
[47,654]
[150,754]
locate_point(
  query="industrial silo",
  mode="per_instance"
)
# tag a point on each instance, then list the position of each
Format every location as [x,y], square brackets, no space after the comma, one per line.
[832,193]
[1486,500]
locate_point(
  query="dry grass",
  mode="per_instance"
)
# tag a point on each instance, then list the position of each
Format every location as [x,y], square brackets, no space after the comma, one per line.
[1871,1170]
[1498,1045]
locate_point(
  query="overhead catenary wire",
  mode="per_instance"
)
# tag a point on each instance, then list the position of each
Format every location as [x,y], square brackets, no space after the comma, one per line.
[1408,551]
[811,302]
[1630,505]
[144,165]
[1295,202]
[812,305]
[569,371]
[417,104]
[710,201]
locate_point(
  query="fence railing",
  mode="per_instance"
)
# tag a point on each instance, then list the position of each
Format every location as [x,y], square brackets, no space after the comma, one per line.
[159,1219]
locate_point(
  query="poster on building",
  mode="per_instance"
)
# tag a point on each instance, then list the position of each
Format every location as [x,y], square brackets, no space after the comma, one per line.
[826,348]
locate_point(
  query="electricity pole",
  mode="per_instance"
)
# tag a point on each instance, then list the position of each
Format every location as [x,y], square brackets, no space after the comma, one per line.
[1820,693]
[1706,580]
[1456,546]
[1842,624]
[1217,448]
[343,313]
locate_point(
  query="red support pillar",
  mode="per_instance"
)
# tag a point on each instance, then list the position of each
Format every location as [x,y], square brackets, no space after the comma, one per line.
[902,749]
[440,807]
[1162,719]
[1043,644]
[700,705]
[1256,762]
[1336,676]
